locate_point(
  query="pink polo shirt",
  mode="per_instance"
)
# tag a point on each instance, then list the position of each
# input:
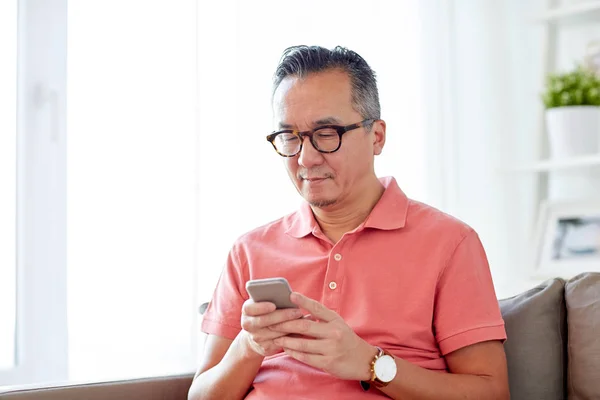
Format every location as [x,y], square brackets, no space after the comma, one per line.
[410,279]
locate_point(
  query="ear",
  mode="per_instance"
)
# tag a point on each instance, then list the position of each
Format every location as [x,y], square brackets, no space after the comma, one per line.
[378,131]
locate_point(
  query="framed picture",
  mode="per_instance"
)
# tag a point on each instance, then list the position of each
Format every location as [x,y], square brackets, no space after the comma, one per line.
[567,239]
[592,56]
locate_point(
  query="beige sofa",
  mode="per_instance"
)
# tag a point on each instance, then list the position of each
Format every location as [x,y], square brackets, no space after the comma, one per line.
[553,346]
[553,351]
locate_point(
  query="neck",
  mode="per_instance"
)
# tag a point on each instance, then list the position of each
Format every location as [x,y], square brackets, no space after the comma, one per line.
[340,218]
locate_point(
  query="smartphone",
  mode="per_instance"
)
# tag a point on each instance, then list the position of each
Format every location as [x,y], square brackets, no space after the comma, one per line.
[274,290]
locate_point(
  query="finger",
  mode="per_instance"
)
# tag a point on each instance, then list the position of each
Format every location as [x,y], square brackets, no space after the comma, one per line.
[317,309]
[250,323]
[310,346]
[254,309]
[303,326]
[314,360]
[263,335]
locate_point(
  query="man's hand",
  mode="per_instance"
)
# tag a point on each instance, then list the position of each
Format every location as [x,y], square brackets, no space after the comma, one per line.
[256,320]
[327,343]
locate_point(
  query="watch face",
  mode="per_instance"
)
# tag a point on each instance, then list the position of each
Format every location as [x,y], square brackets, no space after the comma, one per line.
[385,368]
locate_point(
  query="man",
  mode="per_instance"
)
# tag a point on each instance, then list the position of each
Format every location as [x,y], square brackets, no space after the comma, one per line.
[395,297]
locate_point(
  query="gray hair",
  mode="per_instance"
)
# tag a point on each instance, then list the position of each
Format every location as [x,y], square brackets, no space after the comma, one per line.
[302,60]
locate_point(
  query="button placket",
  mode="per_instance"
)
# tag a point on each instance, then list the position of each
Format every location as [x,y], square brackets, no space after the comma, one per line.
[332,279]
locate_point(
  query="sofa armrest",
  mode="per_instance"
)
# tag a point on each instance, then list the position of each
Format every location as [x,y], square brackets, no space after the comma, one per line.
[158,388]
[202,308]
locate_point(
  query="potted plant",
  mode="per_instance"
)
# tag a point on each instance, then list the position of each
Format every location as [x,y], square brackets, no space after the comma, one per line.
[572,102]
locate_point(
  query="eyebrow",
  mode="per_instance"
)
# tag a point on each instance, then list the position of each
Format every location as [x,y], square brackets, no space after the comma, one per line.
[322,121]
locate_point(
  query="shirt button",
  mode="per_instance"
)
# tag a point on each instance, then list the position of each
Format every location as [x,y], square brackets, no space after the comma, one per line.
[337,257]
[332,285]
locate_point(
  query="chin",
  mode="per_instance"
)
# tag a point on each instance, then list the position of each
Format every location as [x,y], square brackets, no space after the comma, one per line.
[317,196]
[320,203]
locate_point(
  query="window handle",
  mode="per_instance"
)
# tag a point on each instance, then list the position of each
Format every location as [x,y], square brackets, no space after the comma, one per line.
[45,97]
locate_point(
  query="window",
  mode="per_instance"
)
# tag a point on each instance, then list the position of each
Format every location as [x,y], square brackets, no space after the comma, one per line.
[131,188]
[8,183]
[133,199]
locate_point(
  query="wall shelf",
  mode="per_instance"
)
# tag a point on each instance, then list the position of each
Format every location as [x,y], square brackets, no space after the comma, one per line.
[569,11]
[555,165]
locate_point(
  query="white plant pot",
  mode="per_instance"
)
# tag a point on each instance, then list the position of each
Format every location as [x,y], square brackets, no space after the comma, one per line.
[573,131]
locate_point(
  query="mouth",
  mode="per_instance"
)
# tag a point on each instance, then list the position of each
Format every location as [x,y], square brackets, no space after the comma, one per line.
[314,183]
[314,179]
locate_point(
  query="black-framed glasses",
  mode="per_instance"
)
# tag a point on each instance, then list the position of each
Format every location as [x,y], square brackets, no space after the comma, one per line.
[324,138]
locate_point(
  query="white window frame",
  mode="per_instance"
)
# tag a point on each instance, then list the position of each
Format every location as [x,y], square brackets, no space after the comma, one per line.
[41,345]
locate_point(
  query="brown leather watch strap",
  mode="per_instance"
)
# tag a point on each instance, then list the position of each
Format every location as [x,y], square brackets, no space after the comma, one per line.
[374,380]
[366,385]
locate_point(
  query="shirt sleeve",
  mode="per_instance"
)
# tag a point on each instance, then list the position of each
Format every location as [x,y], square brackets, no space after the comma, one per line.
[466,308]
[223,314]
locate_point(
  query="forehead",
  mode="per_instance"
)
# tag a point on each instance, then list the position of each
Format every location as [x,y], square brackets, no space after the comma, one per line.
[312,97]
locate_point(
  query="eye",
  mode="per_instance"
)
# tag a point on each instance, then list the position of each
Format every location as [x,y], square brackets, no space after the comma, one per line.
[286,138]
[326,133]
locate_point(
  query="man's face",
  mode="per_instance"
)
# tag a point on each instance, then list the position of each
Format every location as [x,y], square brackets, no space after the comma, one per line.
[327,180]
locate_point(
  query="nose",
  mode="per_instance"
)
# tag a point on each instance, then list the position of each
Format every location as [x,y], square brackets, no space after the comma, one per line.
[309,156]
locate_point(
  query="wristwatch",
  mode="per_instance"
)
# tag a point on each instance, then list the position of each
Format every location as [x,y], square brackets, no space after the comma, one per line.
[383,370]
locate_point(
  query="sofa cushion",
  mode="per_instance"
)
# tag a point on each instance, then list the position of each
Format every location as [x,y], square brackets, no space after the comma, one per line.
[536,342]
[159,388]
[582,294]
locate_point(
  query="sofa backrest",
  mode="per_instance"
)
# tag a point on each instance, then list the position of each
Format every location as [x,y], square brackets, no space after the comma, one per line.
[536,353]
[553,345]
[582,295]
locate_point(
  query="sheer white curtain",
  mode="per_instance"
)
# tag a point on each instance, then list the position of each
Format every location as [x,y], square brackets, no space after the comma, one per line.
[242,181]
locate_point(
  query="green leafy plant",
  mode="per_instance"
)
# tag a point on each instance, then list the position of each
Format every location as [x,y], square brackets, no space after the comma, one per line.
[580,87]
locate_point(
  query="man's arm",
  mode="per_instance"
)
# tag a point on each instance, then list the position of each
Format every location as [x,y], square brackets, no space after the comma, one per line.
[477,372]
[227,370]
[228,367]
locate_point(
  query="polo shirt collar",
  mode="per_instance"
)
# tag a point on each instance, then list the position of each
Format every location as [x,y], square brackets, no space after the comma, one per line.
[389,213]
[302,222]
